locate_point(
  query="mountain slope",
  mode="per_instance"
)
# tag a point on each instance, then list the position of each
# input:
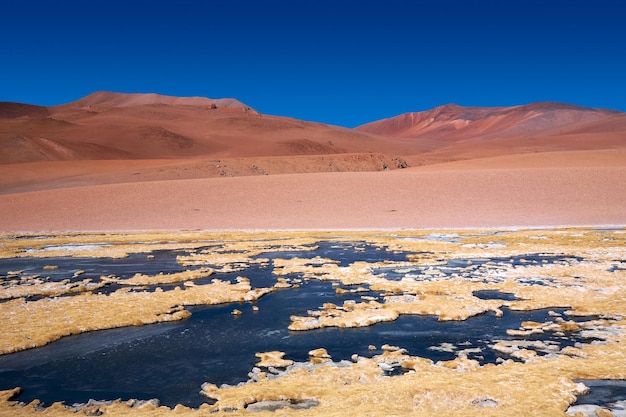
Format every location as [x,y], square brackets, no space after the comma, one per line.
[108,125]
[119,138]
[14,110]
[452,123]
[106,99]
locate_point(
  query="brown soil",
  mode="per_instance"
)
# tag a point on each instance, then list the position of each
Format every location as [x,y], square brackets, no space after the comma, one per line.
[416,198]
[114,161]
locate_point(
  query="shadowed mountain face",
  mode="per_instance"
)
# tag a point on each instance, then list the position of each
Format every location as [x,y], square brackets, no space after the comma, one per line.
[452,123]
[10,110]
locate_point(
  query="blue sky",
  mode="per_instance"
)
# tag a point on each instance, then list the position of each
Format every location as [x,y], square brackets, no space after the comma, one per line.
[337,62]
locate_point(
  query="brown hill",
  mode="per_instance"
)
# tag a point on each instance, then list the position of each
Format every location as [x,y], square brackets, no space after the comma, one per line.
[112,137]
[162,137]
[467,133]
[106,99]
[78,166]
[454,123]
[12,110]
[150,126]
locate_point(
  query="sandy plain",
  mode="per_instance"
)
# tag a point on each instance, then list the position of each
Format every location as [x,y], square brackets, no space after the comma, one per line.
[527,190]
[426,197]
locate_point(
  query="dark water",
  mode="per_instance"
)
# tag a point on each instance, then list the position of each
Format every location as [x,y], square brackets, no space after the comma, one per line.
[494,295]
[603,391]
[170,361]
[162,261]
[343,252]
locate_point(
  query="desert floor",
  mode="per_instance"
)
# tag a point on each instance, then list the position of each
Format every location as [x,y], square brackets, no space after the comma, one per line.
[548,189]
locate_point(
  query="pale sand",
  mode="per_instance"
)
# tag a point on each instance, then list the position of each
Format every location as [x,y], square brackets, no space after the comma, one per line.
[415,198]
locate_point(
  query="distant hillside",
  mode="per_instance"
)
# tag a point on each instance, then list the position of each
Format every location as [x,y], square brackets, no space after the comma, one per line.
[10,110]
[105,99]
[110,137]
[106,125]
[452,123]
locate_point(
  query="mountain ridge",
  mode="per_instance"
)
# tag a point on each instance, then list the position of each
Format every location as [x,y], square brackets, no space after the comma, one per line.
[164,137]
[106,125]
[109,99]
[453,123]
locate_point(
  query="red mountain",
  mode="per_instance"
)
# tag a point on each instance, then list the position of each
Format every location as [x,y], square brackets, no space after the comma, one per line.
[452,123]
[114,137]
[108,125]
[77,167]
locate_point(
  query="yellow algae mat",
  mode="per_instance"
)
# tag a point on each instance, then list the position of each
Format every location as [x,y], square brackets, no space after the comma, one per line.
[441,275]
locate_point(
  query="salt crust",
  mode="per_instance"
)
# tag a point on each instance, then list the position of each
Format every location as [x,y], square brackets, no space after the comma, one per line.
[591,284]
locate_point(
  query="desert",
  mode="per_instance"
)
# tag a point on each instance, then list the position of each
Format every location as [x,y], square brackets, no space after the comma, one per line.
[193,164]
[126,212]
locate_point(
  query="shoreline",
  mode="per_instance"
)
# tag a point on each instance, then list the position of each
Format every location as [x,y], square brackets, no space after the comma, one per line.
[26,233]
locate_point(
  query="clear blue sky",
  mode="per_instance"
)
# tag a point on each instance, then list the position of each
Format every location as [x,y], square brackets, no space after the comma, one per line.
[337,62]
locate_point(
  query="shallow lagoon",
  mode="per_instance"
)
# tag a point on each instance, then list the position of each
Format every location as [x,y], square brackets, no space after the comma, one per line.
[170,361]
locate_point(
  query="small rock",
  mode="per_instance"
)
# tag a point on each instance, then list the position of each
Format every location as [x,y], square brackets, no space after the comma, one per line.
[319,353]
[583,409]
[386,367]
[266,405]
[273,359]
[484,402]
[389,348]
[603,412]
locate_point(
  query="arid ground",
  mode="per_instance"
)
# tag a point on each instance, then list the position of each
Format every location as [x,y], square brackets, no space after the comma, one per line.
[113,174]
[147,162]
